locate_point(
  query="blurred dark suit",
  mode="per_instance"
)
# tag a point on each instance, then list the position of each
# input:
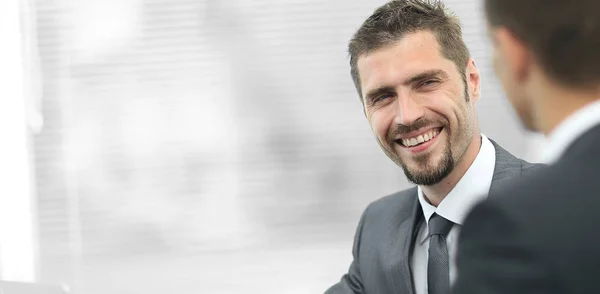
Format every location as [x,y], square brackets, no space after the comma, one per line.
[541,235]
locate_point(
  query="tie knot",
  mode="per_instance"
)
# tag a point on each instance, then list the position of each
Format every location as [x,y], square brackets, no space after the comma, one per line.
[438,225]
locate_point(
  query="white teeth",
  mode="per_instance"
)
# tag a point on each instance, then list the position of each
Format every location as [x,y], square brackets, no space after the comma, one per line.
[420,139]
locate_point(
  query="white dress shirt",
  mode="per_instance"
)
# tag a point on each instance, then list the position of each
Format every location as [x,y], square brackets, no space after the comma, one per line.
[470,190]
[570,129]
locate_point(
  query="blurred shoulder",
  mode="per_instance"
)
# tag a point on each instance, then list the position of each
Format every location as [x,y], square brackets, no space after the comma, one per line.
[540,189]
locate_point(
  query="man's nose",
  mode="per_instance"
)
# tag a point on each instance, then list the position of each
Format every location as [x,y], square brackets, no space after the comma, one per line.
[408,111]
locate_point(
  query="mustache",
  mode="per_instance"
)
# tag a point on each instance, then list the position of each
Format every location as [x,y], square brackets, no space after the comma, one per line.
[404,129]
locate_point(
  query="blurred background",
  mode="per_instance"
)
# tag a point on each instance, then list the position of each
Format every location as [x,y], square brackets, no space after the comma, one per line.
[194,146]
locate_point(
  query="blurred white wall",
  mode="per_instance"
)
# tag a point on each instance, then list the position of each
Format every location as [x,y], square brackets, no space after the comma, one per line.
[18,247]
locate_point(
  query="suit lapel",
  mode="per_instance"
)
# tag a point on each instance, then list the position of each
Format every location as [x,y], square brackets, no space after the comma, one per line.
[401,249]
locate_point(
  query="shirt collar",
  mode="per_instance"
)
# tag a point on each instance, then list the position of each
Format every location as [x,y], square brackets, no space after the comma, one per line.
[570,129]
[470,189]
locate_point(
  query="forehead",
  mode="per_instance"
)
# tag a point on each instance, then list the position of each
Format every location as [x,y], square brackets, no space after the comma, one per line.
[414,53]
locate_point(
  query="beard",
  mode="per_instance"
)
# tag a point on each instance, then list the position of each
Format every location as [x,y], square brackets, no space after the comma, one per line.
[428,173]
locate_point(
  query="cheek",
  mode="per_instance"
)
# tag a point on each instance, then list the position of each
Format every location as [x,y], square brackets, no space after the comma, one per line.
[446,106]
[501,71]
[518,101]
[380,125]
[509,88]
[497,62]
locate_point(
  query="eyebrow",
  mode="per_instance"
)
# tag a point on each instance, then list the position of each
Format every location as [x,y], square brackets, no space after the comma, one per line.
[429,74]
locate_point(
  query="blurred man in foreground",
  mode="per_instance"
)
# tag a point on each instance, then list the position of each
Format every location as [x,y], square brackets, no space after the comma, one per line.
[419,86]
[541,235]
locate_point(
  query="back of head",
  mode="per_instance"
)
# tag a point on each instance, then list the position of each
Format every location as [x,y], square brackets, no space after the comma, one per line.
[564,36]
[392,21]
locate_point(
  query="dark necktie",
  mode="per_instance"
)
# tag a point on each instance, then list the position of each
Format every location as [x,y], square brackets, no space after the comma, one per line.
[438,263]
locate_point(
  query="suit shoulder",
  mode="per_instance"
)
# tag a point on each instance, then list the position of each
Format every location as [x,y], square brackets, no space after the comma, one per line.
[532,179]
[396,203]
[529,167]
[539,186]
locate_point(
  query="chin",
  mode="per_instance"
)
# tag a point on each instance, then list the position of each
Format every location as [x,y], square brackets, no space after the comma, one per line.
[423,164]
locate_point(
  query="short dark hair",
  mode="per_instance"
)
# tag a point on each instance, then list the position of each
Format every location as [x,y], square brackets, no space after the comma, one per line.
[390,22]
[564,36]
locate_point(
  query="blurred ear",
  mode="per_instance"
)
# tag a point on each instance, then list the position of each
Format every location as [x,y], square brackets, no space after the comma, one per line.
[473,80]
[513,52]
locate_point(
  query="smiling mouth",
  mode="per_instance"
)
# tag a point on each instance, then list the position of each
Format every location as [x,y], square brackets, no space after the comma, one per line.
[421,139]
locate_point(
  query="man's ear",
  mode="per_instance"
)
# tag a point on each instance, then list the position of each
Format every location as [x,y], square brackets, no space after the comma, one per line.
[473,80]
[513,52]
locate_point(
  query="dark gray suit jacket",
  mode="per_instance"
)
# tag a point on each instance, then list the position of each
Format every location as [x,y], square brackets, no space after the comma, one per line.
[387,230]
[541,235]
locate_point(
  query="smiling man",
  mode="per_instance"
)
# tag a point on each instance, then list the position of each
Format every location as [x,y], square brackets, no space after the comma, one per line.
[419,86]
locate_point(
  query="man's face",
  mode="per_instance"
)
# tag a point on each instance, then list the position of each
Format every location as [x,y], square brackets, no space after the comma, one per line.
[510,64]
[418,106]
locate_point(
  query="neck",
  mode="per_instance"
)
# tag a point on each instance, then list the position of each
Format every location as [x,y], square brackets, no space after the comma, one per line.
[436,193]
[555,104]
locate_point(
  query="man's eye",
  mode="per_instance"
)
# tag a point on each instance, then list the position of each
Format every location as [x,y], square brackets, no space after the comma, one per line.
[429,83]
[382,97]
